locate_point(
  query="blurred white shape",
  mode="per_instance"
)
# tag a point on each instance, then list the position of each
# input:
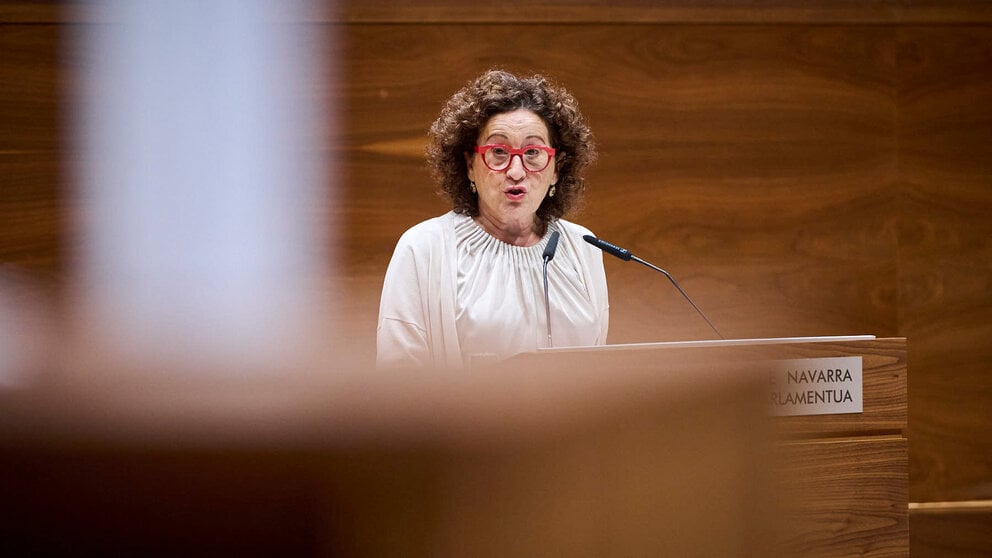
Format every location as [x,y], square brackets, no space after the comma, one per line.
[200,181]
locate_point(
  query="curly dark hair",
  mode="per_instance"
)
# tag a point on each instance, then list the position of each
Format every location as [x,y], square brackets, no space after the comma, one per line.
[457,128]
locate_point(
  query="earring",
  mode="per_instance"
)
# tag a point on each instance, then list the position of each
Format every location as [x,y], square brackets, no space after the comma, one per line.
[551,192]
[471,186]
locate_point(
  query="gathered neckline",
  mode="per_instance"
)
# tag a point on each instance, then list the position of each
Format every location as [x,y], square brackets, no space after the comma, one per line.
[476,239]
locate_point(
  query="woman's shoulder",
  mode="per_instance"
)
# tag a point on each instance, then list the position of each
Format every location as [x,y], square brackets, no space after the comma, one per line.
[569,227]
[427,231]
[574,232]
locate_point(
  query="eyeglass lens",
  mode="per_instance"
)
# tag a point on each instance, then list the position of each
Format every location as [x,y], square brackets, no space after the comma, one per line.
[534,159]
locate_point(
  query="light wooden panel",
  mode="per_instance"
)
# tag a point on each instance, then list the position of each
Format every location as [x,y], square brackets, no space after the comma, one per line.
[883,366]
[661,477]
[866,478]
[883,390]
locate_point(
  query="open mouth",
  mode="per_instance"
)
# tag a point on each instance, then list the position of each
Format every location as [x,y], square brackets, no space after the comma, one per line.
[515,193]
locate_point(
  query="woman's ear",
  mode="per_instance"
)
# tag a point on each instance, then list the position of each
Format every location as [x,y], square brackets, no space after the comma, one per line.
[468,166]
[559,161]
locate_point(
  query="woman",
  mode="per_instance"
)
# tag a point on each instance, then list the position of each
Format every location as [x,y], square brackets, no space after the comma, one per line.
[468,286]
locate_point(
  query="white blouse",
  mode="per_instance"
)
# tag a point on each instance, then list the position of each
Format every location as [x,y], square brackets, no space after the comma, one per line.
[500,305]
[454,295]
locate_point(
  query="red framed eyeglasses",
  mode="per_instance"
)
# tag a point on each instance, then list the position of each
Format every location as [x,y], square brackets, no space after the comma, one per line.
[498,157]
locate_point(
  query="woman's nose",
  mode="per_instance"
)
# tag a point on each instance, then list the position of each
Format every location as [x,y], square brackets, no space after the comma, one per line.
[516,169]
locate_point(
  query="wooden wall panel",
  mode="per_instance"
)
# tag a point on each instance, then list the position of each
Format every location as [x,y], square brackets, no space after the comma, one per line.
[30,195]
[672,11]
[29,87]
[32,215]
[730,155]
[951,530]
[945,256]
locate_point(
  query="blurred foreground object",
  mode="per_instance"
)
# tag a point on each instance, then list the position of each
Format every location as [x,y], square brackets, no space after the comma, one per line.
[662,449]
[200,183]
[26,334]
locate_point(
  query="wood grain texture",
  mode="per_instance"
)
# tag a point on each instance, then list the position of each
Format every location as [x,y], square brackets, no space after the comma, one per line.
[575,11]
[29,88]
[31,11]
[848,498]
[951,530]
[883,366]
[945,256]
[705,180]
[32,216]
[31,195]
[884,389]
[669,11]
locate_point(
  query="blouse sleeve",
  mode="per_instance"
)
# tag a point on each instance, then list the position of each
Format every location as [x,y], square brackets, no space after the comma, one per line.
[402,332]
[595,276]
[602,295]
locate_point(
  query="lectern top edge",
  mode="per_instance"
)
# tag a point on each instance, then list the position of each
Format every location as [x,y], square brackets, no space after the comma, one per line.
[711,343]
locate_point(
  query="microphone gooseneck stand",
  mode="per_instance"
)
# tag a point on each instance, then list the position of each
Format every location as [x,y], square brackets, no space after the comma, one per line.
[626,256]
[549,254]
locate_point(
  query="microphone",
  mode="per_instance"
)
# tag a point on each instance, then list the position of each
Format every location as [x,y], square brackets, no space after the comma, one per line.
[552,247]
[549,254]
[626,256]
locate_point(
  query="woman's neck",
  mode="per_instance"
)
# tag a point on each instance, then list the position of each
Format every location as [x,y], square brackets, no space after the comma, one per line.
[516,234]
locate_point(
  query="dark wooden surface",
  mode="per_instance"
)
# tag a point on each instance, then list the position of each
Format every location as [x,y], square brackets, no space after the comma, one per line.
[945,247]
[959,529]
[801,168]
[674,11]
[32,204]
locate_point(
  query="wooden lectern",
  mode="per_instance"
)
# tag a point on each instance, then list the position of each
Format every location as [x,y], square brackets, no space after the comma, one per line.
[837,483]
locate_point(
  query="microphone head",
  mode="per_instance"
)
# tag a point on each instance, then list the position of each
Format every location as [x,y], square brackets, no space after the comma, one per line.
[609,248]
[551,247]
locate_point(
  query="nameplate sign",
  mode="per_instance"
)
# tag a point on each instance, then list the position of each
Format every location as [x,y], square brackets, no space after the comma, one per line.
[816,386]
